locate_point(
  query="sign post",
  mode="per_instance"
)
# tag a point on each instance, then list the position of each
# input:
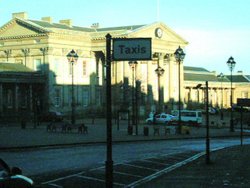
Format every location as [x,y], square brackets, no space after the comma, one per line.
[127,49]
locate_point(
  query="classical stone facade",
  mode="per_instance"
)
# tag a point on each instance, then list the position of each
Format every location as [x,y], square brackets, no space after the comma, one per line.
[219,88]
[41,46]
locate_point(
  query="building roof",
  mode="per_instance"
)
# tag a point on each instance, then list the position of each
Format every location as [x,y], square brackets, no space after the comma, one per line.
[195,69]
[200,77]
[201,74]
[13,67]
[238,78]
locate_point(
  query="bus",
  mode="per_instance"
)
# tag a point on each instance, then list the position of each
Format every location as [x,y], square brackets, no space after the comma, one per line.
[188,116]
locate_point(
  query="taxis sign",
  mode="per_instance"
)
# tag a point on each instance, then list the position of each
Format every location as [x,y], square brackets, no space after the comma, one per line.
[128,49]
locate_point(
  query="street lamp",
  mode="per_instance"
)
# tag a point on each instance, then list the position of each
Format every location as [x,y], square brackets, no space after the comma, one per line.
[159,71]
[231,64]
[72,58]
[179,56]
[221,76]
[133,65]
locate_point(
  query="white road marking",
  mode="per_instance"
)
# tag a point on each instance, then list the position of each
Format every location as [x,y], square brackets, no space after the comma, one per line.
[100,180]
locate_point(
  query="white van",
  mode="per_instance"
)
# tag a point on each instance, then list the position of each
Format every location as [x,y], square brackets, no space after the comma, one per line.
[189,116]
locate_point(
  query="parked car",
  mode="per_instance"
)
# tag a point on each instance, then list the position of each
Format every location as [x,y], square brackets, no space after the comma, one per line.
[160,119]
[190,117]
[12,177]
[51,116]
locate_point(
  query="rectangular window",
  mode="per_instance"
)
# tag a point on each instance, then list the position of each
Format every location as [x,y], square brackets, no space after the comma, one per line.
[56,67]
[57,97]
[85,99]
[23,98]
[98,97]
[70,68]
[244,94]
[9,98]
[19,61]
[84,68]
[37,65]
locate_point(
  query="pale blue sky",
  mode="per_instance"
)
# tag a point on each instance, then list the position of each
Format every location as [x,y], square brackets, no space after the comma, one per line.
[215,29]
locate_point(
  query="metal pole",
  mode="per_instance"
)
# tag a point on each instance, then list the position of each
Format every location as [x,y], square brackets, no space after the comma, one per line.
[207,128]
[136,104]
[179,104]
[72,96]
[241,126]
[133,96]
[109,161]
[231,103]
[221,108]
[159,86]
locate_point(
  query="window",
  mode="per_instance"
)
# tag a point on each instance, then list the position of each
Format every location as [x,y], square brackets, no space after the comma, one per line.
[84,68]
[9,98]
[56,67]
[19,61]
[85,99]
[37,65]
[57,97]
[22,98]
[70,68]
[244,94]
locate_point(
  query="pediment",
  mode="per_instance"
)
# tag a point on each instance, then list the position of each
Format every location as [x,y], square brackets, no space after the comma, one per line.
[17,28]
[168,35]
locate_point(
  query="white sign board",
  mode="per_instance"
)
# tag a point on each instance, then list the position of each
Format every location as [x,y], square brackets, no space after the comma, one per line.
[128,49]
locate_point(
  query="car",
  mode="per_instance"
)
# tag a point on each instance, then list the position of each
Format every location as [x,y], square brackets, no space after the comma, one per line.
[162,118]
[51,116]
[12,177]
[189,117]
[212,111]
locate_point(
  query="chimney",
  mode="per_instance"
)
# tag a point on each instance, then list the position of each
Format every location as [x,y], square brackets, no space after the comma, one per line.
[22,15]
[47,19]
[67,22]
[240,72]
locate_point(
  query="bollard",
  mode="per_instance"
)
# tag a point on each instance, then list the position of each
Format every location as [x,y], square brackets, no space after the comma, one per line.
[145,131]
[130,130]
[23,124]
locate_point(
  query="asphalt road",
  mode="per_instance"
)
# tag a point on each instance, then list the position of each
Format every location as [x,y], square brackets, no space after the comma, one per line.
[47,165]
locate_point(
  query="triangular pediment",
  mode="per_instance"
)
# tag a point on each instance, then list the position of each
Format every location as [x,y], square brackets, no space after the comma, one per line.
[165,35]
[17,28]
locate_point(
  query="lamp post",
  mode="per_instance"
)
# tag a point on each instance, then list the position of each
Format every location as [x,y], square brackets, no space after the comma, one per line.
[179,56]
[159,71]
[221,76]
[231,64]
[72,58]
[133,65]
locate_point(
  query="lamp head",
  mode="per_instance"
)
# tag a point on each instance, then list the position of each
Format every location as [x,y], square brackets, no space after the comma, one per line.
[72,56]
[179,54]
[231,63]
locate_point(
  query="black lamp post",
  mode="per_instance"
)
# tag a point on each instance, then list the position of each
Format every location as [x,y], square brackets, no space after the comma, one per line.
[72,58]
[231,64]
[179,56]
[159,71]
[221,76]
[133,65]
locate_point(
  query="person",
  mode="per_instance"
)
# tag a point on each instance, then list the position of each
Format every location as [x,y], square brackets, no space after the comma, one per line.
[151,114]
[154,118]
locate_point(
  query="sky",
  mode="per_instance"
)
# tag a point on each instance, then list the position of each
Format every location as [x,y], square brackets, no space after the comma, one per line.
[215,29]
